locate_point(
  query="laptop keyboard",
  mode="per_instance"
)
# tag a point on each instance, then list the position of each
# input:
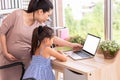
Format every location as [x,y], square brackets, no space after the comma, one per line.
[83,54]
[78,55]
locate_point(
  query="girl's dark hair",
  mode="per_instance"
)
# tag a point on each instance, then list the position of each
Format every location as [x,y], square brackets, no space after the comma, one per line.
[38,35]
[34,5]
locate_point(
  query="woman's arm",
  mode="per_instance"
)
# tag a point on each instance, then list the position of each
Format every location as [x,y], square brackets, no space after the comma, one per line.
[4,48]
[5,27]
[3,44]
[61,42]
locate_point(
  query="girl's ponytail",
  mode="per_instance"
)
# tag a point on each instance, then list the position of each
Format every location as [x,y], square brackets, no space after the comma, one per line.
[35,41]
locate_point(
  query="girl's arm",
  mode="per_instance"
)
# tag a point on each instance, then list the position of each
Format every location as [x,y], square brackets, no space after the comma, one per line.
[58,55]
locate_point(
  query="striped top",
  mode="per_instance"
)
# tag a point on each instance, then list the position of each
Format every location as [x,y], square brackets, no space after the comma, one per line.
[40,69]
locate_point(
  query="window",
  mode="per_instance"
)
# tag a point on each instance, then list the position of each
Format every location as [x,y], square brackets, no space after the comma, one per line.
[84,16]
[100,17]
[116,20]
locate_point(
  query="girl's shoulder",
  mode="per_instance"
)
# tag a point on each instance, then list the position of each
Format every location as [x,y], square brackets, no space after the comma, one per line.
[49,50]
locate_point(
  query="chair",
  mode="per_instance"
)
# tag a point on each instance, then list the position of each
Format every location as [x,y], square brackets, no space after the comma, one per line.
[15,64]
[29,79]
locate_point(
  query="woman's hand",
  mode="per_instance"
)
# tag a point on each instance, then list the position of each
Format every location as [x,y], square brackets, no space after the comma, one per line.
[76,47]
[10,57]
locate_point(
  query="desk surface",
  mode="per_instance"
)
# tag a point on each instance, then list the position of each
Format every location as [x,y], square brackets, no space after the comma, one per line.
[96,68]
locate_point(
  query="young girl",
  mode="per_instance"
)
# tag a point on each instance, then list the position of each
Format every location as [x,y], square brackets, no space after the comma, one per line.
[40,67]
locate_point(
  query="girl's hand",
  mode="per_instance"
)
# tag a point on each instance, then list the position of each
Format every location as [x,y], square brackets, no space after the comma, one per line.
[60,52]
[10,57]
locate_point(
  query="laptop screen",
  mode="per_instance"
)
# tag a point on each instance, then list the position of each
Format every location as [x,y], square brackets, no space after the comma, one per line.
[91,43]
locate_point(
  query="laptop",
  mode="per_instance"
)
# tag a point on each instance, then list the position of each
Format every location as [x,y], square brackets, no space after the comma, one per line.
[89,49]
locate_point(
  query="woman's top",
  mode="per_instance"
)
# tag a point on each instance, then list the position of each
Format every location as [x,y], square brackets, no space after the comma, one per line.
[18,34]
[18,41]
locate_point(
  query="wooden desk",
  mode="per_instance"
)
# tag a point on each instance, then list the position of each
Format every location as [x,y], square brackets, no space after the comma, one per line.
[96,68]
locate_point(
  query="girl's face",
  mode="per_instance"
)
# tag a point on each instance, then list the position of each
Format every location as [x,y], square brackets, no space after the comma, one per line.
[43,17]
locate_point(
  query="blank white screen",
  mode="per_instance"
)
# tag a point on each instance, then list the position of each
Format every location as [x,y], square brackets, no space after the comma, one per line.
[91,44]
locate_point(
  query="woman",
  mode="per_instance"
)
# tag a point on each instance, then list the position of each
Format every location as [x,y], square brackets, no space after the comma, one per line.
[16,34]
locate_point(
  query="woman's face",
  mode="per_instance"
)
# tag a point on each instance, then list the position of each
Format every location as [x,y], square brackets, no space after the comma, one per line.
[43,16]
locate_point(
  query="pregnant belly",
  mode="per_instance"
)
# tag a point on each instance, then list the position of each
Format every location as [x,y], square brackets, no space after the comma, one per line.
[19,50]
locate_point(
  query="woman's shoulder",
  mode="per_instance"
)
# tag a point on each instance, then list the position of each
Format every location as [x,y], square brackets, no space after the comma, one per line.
[17,12]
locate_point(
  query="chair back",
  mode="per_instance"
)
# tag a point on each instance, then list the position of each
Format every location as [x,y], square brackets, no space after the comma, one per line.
[15,64]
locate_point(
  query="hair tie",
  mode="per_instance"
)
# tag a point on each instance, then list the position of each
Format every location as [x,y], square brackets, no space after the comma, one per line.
[40,29]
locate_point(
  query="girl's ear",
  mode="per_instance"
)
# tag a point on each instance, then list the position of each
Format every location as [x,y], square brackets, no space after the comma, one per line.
[46,40]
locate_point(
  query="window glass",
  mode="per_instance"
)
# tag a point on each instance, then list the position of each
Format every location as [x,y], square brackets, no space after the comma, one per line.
[116,20]
[84,16]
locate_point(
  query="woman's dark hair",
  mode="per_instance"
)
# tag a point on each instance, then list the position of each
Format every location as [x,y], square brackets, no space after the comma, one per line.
[34,5]
[38,35]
